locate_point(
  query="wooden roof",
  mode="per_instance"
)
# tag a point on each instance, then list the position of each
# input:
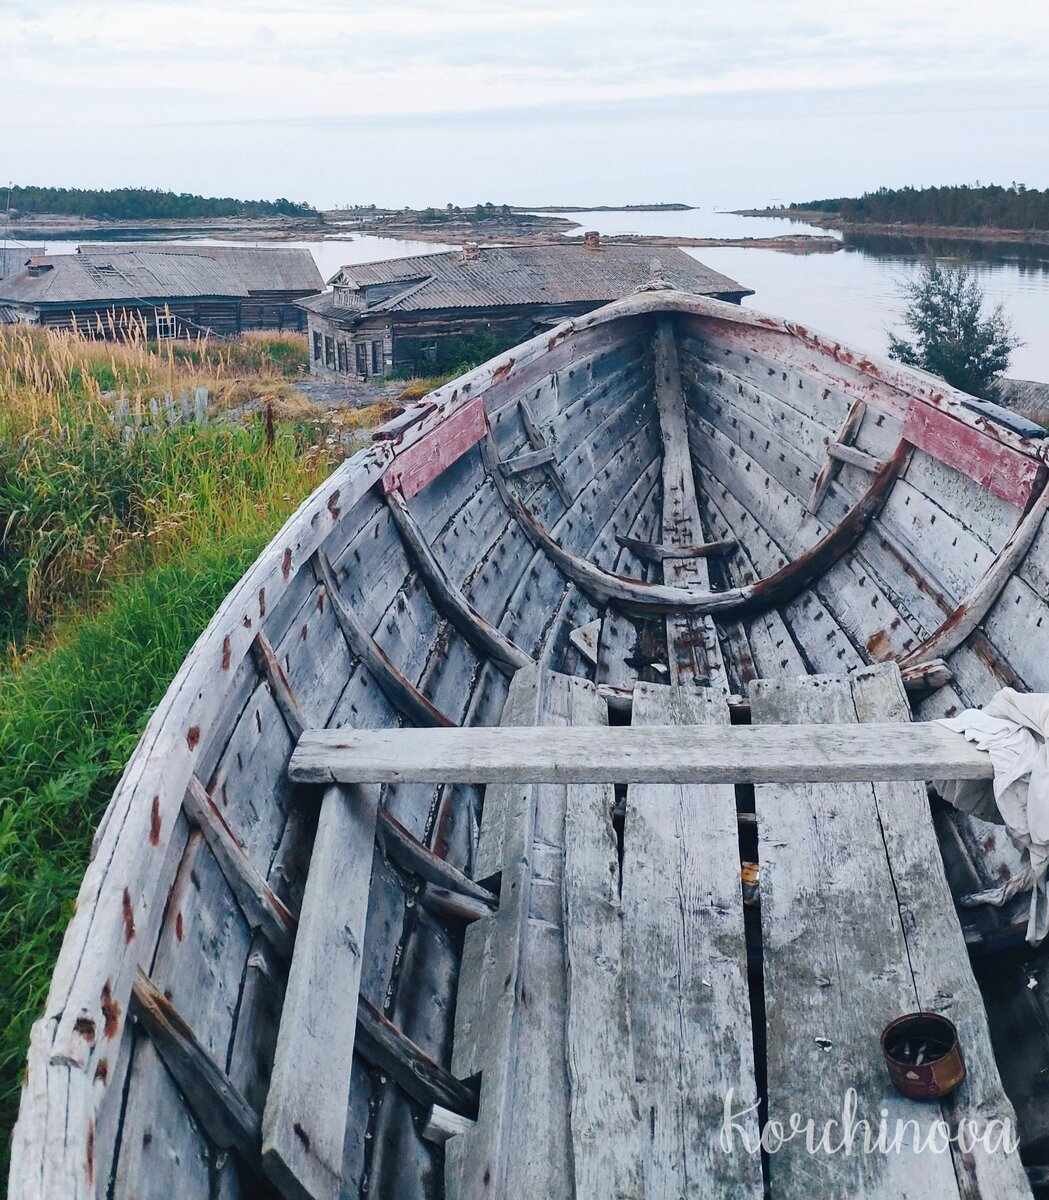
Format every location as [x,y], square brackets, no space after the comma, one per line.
[555,274]
[117,274]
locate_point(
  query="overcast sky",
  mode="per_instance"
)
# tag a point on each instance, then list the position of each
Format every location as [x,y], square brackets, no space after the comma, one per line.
[594,101]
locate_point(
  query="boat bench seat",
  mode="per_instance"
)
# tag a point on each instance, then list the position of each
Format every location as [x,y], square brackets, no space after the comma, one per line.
[623,1010]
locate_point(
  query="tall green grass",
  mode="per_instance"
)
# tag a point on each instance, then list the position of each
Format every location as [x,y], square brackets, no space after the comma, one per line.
[69,718]
[113,557]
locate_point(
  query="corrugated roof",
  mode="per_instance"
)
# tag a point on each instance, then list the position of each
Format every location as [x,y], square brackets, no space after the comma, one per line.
[119,273]
[554,274]
[259,269]
[8,316]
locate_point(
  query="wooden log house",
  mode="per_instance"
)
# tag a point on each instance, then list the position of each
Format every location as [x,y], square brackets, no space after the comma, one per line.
[161,291]
[400,314]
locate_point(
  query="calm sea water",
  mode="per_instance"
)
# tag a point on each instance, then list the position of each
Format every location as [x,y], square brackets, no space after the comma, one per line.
[852,294]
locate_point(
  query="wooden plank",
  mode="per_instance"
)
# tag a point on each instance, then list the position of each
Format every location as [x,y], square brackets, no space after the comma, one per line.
[1004,471]
[421,462]
[844,453]
[406,850]
[538,442]
[225,1116]
[269,665]
[937,955]
[304,1122]
[448,599]
[849,428]
[677,754]
[970,614]
[386,1047]
[510,1013]
[400,691]
[693,652]
[660,551]
[686,968]
[261,907]
[606,1129]
[835,969]
[527,461]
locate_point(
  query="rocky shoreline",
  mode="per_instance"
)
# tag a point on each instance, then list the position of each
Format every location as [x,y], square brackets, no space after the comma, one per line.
[961,233]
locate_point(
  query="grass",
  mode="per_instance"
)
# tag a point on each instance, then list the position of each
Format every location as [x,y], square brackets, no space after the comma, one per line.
[113,556]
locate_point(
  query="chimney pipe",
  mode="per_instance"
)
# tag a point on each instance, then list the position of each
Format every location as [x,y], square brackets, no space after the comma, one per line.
[592,239]
[469,251]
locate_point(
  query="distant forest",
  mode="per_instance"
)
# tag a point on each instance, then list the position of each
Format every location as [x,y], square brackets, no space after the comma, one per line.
[1015,207]
[146,204]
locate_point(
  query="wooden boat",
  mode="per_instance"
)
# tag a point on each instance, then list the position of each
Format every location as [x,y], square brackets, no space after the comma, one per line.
[541,653]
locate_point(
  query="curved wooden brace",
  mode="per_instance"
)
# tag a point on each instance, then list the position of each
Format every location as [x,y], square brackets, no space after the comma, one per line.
[447,599]
[635,595]
[970,613]
[400,691]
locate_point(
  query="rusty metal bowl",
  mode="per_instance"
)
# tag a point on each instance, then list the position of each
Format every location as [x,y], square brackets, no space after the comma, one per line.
[923,1056]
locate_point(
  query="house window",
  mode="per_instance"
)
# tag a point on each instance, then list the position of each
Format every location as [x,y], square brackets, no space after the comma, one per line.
[362,358]
[317,346]
[344,359]
[428,352]
[329,352]
[166,327]
[376,358]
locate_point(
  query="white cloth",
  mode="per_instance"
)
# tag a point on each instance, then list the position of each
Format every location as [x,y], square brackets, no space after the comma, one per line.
[1013,729]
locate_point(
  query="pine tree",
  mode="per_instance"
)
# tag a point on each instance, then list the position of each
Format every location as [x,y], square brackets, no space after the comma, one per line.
[952,337]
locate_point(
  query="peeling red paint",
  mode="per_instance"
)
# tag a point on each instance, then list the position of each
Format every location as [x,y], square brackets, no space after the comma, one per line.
[101,1071]
[227,652]
[333,505]
[179,927]
[285,566]
[421,463]
[91,1154]
[110,1011]
[193,736]
[154,822]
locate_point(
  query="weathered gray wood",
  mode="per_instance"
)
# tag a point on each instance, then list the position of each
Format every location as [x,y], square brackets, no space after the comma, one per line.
[926,676]
[849,454]
[400,691]
[262,909]
[510,1015]
[227,1118]
[836,968]
[304,1122]
[585,639]
[686,968]
[535,436]
[447,903]
[269,665]
[442,1123]
[660,551]
[449,599]
[605,1122]
[970,614]
[849,428]
[410,853]
[385,1046]
[937,957]
[693,653]
[677,754]
[527,461]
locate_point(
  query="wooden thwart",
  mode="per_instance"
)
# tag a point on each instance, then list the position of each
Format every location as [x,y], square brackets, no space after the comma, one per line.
[829,753]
